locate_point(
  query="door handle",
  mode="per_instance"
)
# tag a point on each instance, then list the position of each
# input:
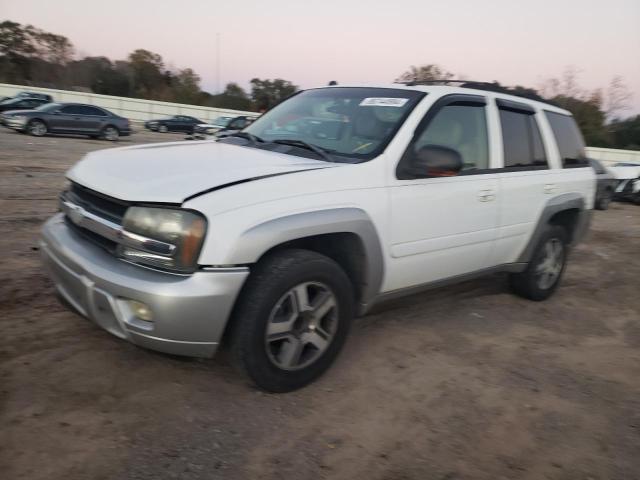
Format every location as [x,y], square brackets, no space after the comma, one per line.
[486,195]
[550,188]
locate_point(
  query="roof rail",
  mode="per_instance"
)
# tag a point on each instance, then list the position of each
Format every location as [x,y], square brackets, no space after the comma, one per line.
[517,91]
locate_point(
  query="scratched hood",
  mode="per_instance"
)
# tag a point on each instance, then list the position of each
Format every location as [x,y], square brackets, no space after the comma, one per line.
[173,172]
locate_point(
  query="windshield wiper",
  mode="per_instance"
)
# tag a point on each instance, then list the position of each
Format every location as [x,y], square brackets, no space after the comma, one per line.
[249,136]
[321,152]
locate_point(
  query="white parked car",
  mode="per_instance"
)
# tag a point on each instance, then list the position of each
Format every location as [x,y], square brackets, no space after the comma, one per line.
[221,124]
[628,177]
[339,198]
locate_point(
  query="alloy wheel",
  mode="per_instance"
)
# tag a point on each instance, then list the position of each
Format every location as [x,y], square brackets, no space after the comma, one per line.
[301,326]
[548,270]
[111,134]
[37,128]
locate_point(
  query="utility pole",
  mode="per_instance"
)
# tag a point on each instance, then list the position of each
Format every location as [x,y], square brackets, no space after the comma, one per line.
[218,63]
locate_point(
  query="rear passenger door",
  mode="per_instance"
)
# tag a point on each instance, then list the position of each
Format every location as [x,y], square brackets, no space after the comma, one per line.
[526,180]
[93,119]
[442,227]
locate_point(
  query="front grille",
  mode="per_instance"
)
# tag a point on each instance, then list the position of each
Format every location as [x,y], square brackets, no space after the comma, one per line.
[97,203]
[109,245]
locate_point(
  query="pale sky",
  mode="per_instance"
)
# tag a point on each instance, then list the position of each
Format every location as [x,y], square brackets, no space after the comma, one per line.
[310,42]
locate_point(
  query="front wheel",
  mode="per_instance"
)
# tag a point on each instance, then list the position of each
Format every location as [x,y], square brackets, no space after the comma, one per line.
[292,319]
[110,133]
[37,128]
[163,129]
[542,276]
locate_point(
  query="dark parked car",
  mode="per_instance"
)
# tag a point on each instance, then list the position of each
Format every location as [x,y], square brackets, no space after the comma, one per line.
[605,185]
[21,103]
[41,96]
[70,118]
[176,123]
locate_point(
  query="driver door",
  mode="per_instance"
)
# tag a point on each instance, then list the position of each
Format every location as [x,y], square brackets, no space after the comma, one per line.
[443,227]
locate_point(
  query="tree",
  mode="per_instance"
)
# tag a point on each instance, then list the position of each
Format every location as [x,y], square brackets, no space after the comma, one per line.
[15,40]
[52,48]
[147,74]
[424,73]
[617,97]
[233,97]
[626,133]
[267,93]
[98,74]
[186,86]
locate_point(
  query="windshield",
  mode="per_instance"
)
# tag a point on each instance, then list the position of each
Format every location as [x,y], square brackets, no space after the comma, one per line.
[347,121]
[47,107]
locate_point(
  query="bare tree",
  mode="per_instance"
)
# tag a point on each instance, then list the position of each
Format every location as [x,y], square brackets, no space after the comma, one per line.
[617,97]
[425,73]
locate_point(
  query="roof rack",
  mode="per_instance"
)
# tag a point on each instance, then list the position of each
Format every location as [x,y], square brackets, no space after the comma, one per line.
[517,91]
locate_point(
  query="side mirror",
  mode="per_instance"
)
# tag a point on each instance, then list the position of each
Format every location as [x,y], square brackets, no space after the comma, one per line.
[435,161]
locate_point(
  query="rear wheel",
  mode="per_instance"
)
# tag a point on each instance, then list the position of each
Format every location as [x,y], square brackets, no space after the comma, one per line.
[292,319]
[110,133]
[37,128]
[163,129]
[604,201]
[542,276]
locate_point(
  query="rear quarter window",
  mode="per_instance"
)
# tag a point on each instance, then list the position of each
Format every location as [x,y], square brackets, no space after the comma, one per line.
[569,140]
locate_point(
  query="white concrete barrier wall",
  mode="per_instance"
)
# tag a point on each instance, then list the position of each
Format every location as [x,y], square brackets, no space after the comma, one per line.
[132,108]
[609,156]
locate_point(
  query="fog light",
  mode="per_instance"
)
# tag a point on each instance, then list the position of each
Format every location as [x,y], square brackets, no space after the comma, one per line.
[140,310]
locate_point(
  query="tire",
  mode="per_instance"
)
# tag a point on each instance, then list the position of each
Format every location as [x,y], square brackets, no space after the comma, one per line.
[163,129]
[110,133]
[37,128]
[278,345]
[538,285]
[603,202]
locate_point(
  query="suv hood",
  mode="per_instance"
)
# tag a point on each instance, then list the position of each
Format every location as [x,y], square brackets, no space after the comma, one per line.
[173,172]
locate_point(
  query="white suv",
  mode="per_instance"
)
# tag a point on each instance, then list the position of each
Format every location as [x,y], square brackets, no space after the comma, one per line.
[331,202]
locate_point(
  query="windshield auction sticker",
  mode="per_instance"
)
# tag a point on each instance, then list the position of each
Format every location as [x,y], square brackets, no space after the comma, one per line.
[383,102]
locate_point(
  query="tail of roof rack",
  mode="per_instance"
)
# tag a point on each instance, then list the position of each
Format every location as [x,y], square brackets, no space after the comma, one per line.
[516,91]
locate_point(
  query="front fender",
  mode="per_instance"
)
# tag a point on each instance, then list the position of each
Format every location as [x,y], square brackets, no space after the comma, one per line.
[260,238]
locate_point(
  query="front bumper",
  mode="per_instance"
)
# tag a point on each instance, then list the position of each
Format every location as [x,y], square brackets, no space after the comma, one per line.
[189,311]
[15,124]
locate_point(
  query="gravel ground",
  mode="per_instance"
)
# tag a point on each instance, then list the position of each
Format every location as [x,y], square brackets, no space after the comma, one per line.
[467,382]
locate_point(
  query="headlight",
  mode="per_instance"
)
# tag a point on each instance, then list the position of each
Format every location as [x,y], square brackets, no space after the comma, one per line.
[160,237]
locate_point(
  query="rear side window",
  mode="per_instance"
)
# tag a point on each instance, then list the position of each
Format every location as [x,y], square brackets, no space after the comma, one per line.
[569,140]
[87,110]
[522,142]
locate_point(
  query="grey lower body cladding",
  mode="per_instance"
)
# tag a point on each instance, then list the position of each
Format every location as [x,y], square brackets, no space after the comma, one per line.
[189,312]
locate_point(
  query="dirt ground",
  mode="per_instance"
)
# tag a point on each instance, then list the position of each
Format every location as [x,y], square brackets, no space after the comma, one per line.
[467,382]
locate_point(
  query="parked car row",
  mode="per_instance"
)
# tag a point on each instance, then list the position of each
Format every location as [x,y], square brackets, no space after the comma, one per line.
[36,114]
[197,127]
